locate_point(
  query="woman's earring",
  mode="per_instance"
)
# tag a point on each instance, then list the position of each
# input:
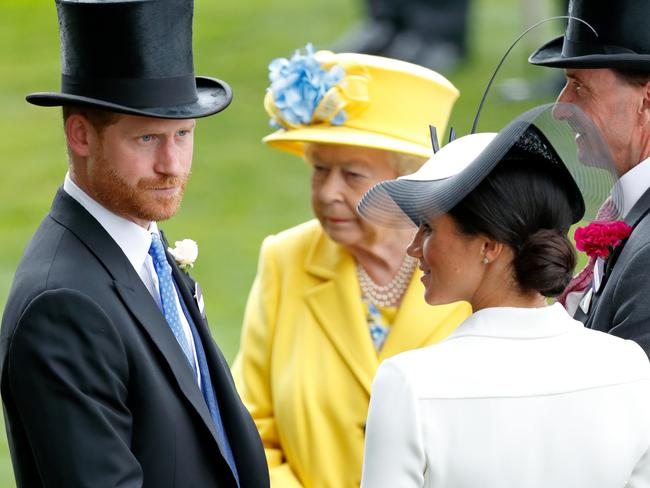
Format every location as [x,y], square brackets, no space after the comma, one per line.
[485,260]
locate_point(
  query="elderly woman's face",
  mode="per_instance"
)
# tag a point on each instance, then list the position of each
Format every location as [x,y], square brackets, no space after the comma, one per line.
[341,175]
[451,262]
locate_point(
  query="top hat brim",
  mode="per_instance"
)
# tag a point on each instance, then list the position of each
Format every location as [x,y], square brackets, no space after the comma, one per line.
[550,54]
[213,96]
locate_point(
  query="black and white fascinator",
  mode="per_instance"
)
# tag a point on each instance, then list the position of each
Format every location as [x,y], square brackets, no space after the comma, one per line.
[558,138]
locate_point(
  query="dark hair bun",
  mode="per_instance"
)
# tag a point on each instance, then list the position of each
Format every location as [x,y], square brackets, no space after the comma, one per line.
[545,262]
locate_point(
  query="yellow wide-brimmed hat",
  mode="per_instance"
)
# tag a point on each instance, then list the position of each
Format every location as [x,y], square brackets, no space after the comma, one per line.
[357,100]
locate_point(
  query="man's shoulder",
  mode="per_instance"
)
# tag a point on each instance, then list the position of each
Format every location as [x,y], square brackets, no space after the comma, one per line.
[53,259]
[49,243]
[54,249]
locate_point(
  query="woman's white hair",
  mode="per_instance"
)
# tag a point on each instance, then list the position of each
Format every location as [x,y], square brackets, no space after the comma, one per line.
[405,164]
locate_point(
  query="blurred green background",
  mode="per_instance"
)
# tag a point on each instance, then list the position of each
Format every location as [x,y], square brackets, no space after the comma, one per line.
[240,190]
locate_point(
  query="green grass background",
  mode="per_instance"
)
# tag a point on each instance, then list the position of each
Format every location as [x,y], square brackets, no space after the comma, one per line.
[240,191]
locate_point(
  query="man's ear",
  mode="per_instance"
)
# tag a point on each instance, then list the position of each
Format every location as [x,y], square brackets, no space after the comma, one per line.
[645,104]
[80,134]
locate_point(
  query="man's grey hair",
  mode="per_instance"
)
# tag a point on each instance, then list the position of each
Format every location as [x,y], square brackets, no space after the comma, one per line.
[633,77]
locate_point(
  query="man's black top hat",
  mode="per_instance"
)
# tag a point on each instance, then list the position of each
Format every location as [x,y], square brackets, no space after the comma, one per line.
[623,40]
[133,57]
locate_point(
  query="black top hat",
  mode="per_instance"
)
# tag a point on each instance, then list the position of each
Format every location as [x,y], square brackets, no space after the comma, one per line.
[623,39]
[133,57]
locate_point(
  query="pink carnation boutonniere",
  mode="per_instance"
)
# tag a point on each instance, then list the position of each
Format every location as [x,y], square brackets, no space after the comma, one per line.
[599,239]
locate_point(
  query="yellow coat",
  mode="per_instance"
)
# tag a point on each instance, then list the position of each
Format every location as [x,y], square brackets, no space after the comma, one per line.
[306,363]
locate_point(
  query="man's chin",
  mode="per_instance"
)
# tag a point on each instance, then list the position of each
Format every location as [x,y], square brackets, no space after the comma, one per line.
[158,212]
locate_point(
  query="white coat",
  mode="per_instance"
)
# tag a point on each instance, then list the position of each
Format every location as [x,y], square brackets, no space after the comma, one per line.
[514,398]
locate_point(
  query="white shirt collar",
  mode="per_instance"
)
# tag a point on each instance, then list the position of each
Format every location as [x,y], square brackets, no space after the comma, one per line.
[634,184]
[517,323]
[132,239]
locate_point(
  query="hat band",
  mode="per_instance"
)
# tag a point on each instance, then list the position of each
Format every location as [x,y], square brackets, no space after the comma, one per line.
[136,93]
[574,49]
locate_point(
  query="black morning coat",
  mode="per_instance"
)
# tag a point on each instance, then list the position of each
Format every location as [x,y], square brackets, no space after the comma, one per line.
[96,390]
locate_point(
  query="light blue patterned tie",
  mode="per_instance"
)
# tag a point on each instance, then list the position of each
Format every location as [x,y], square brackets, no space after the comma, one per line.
[168,300]
[168,295]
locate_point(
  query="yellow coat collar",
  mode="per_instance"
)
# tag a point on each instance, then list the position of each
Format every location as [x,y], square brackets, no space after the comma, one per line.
[338,309]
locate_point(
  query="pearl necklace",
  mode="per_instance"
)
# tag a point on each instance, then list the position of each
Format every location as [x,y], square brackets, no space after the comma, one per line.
[388,295]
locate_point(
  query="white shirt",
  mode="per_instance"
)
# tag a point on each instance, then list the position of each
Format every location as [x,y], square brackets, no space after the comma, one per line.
[634,184]
[514,398]
[135,242]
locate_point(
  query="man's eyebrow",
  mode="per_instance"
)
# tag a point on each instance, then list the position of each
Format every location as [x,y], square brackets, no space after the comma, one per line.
[573,76]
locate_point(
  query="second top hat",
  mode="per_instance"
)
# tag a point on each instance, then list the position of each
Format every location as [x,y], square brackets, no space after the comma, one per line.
[621,40]
[133,57]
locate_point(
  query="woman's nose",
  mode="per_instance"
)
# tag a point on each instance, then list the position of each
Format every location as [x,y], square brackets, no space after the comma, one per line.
[330,188]
[415,247]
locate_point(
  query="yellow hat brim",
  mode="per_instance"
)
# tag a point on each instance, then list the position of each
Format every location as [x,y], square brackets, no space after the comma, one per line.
[294,140]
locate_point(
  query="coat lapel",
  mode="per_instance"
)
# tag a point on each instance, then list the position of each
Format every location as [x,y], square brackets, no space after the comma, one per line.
[638,212]
[336,306]
[230,406]
[153,322]
[134,295]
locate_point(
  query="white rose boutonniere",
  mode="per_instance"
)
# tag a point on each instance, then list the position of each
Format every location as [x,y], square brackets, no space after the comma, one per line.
[185,253]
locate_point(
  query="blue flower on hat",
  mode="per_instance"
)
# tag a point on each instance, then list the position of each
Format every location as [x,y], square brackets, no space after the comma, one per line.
[298,86]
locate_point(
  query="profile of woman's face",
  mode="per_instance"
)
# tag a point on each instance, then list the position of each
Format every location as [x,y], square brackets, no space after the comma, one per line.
[451,262]
[340,177]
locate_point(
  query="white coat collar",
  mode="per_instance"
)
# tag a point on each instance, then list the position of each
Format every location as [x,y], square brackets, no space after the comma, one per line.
[517,323]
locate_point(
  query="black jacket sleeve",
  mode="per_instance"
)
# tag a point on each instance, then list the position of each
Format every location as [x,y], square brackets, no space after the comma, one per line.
[68,373]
